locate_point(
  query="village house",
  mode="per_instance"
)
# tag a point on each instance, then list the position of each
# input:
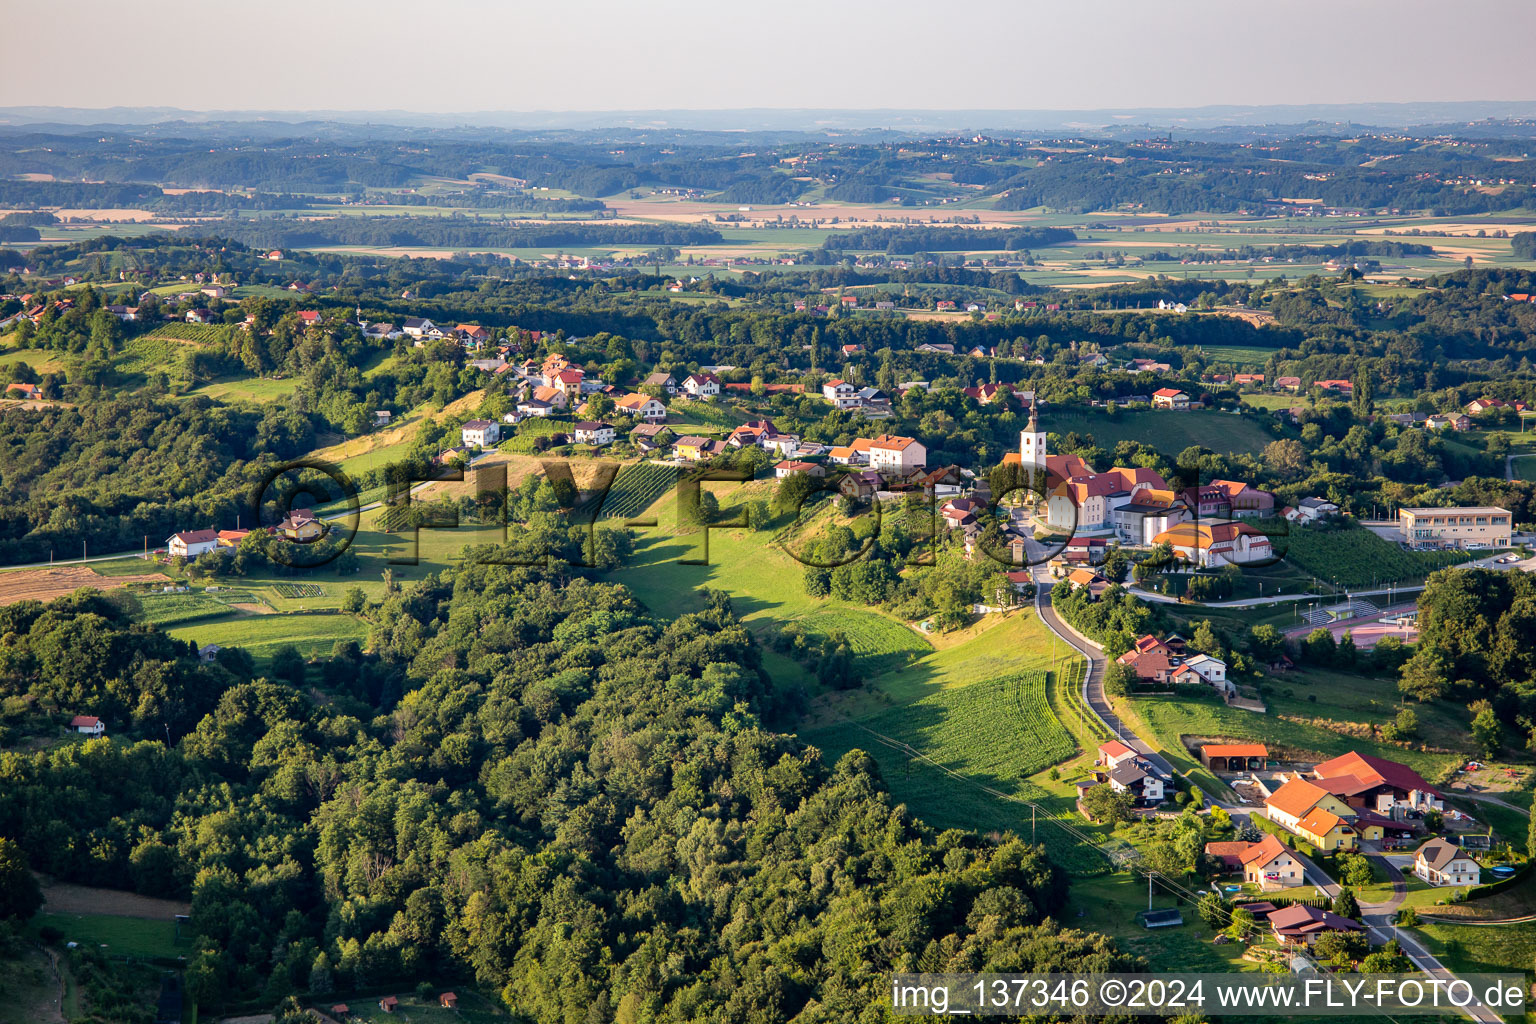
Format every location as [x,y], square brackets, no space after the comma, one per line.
[1301,924]
[1227,498]
[702,386]
[24,392]
[1313,813]
[480,433]
[662,381]
[1169,398]
[641,407]
[1138,778]
[860,485]
[1113,753]
[301,525]
[1270,865]
[554,396]
[421,327]
[87,725]
[1310,510]
[228,540]
[841,394]
[1087,579]
[1342,387]
[191,543]
[691,448]
[791,467]
[200,316]
[1375,785]
[1438,862]
[1456,421]
[594,433]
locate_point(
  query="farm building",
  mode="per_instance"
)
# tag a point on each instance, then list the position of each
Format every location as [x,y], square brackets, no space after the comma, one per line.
[1234,757]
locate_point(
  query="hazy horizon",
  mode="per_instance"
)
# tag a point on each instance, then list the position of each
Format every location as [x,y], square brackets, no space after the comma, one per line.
[600,55]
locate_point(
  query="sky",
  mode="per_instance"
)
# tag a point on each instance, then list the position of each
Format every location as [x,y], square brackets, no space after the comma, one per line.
[478,55]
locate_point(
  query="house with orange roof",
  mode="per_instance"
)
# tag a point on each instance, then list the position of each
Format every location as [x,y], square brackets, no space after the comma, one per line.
[890,453]
[1270,865]
[1300,797]
[1169,398]
[641,407]
[1087,503]
[1374,785]
[1112,753]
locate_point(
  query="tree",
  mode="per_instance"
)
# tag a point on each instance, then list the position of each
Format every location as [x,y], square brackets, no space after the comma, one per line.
[1286,458]
[20,897]
[1487,734]
[1426,676]
[354,600]
[1242,923]
[1404,727]
[1345,904]
[1105,805]
[1214,911]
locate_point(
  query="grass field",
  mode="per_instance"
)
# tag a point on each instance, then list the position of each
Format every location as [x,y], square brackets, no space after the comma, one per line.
[1168,432]
[1472,949]
[879,644]
[1108,905]
[313,635]
[121,936]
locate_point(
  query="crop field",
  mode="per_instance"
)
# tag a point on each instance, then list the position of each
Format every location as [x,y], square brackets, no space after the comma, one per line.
[1243,355]
[297,590]
[995,734]
[879,644]
[636,488]
[1358,558]
[1168,432]
[313,635]
[203,334]
[708,414]
[522,443]
[47,584]
[173,609]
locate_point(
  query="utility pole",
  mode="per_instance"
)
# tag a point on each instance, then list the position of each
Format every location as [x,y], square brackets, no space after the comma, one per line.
[1149,890]
[1032,823]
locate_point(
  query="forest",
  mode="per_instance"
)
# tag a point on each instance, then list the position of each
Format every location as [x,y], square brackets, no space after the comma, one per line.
[526,782]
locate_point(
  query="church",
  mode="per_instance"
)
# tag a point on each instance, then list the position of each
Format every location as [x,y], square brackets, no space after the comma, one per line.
[1082,501]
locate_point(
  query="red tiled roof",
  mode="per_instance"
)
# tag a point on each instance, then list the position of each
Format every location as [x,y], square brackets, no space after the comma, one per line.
[1375,771]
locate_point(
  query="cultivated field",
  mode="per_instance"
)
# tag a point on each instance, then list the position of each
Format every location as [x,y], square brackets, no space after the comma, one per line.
[47,584]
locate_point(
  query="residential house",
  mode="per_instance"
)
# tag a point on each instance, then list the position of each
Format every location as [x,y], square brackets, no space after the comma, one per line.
[301,525]
[201,316]
[1169,398]
[691,448]
[665,381]
[24,392]
[1241,379]
[594,433]
[846,455]
[191,543]
[890,453]
[421,327]
[1310,510]
[1313,813]
[1438,862]
[861,484]
[480,433]
[1301,924]
[382,331]
[1095,584]
[1113,753]
[1216,543]
[1288,383]
[1342,387]
[1479,405]
[1456,421]
[535,407]
[471,334]
[986,394]
[702,386]
[1270,864]
[841,394]
[556,397]
[641,407]
[87,725]
[1138,778]
[228,540]
[791,467]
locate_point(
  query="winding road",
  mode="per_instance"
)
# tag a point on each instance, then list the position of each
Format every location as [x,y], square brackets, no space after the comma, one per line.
[1380,919]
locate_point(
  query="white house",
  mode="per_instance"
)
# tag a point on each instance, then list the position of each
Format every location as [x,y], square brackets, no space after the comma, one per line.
[480,433]
[421,327]
[1212,670]
[641,407]
[893,454]
[191,543]
[703,386]
[1441,863]
[593,432]
[841,394]
[87,725]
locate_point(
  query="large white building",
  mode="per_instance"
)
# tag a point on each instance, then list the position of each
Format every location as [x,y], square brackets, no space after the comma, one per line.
[899,455]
